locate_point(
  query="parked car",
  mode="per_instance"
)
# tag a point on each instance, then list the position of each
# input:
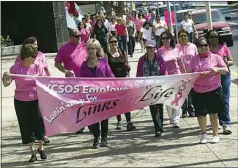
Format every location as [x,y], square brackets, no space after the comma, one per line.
[187,4]
[219,23]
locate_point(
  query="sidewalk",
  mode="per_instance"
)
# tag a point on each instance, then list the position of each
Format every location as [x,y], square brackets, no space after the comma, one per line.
[175,148]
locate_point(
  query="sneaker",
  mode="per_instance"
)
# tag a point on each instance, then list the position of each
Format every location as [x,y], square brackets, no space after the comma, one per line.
[96,143]
[158,134]
[227,130]
[192,114]
[215,139]
[176,125]
[104,142]
[33,158]
[184,114]
[130,126]
[203,139]
[119,125]
[42,153]
[46,140]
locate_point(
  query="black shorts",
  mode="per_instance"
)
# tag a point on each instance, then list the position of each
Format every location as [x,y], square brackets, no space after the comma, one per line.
[144,40]
[208,103]
[30,120]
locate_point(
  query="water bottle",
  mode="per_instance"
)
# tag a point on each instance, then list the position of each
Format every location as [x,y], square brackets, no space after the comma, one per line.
[73,75]
[9,79]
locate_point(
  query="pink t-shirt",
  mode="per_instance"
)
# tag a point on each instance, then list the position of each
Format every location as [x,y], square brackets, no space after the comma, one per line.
[139,23]
[209,82]
[26,87]
[223,51]
[187,52]
[133,19]
[84,35]
[170,57]
[72,56]
[120,29]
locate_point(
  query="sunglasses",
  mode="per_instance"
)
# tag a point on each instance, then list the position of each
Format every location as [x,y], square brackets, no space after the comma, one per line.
[91,48]
[76,36]
[165,38]
[213,37]
[183,36]
[149,48]
[34,56]
[203,45]
[113,42]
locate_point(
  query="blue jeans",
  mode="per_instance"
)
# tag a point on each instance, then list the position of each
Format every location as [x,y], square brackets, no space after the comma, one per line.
[190,37]
[122,43]
[224,118]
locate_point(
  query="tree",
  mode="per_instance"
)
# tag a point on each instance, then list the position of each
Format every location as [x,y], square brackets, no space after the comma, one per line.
[116,6]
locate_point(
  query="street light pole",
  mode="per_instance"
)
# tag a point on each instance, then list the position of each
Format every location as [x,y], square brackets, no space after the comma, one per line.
[209,16]
[175,20]
[170,19]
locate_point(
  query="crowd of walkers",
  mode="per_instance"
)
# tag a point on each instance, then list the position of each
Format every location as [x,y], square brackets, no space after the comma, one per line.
[100,48]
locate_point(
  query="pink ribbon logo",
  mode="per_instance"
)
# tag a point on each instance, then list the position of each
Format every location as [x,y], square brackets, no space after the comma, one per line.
[178,96]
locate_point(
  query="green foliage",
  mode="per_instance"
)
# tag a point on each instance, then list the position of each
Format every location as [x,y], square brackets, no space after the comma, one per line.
[3,41]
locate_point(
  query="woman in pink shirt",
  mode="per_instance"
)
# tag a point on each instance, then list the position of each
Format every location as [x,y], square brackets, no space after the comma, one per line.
[187,51]
[218,47]
[121,34]
[139,24]
[95,67]
[173,65]
[206,92]
[26,100]
[40,59]
[85,33]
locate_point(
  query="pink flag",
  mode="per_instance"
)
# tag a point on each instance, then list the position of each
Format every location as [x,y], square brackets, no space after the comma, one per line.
[166,17]
[69,104]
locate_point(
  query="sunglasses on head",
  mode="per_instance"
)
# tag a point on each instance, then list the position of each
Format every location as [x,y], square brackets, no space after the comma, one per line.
[212,37]
[203,45]
[165,38]
[113,41]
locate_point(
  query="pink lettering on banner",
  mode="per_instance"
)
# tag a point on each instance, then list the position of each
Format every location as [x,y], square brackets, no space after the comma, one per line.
[68,105]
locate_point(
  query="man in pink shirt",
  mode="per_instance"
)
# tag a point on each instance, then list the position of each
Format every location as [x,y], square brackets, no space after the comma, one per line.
[71,55]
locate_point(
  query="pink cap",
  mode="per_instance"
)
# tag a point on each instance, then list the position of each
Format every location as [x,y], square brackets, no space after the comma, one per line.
[150,43]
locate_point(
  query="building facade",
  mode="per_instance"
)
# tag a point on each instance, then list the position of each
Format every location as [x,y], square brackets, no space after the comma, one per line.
[42,19]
